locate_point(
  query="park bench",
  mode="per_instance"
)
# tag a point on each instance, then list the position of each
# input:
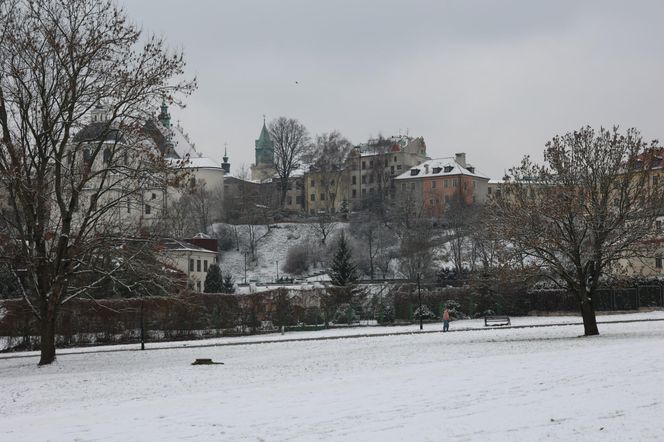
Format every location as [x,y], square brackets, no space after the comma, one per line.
[496,320]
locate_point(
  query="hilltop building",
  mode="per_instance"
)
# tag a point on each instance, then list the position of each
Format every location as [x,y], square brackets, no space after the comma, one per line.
[263,169]
[436,184]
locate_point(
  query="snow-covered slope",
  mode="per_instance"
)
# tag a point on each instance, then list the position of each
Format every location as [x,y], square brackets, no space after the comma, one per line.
[271,251]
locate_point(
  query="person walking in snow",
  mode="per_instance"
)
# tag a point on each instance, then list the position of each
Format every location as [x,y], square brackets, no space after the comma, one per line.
[446,320]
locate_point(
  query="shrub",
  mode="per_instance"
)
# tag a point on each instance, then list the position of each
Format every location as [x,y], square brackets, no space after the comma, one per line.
[225,239]
[345,314]
[425,313]
[297,260]
[455,309]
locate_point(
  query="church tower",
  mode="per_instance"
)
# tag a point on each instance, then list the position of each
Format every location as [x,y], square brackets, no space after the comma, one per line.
[226,165]
[264,167]
[264,148]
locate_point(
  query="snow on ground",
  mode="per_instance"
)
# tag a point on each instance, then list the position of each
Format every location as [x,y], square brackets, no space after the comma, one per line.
[501,384]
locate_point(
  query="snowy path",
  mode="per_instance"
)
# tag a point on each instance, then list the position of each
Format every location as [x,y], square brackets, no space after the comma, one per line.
[351,332]
[518,384]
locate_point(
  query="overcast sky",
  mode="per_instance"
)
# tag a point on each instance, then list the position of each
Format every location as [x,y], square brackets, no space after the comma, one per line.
[494,79]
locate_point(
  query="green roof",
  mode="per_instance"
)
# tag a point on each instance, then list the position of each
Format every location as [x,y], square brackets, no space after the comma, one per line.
[264,141]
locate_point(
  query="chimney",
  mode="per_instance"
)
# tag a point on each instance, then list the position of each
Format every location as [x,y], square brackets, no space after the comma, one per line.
[426,169]
[460,158]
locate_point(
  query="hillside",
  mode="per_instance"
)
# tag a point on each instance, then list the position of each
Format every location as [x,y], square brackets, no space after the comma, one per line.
[271,250]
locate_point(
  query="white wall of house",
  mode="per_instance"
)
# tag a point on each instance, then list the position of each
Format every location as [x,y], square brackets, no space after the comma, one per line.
[192,262]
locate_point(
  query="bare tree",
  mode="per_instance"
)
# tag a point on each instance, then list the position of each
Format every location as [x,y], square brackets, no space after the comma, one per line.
[328,159]
[589,206]
[68,185]
[417,250]
[323,226]
[460,219]
[291,143]
[374,241]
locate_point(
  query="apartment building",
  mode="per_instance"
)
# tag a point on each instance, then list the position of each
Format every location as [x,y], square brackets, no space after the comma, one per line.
[436,184]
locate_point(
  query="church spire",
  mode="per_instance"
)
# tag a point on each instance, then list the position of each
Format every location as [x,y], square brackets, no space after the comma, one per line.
[164,116]
[226,166]
[264,147]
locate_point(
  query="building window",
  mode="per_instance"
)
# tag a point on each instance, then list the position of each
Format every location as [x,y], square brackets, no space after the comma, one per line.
[658,262]
[128,206]
[312,197]
[354,193]
[332,183]
[370,163]
[364,165]
[148,209]
[198,265]
[205,265]
[433,184]
[298,199]
[364,179]
[403,186]
[658,225]
[313,183]
[371,179]
[447,198]
[446,184]
[154,196]
[322,197]
[489,190]
[198,285]
[354,180]
[412,186]
[289,200]
[395,159]
[364,191]
[655,179]
[398,166]
[454,182]
[191,265]
[107,155]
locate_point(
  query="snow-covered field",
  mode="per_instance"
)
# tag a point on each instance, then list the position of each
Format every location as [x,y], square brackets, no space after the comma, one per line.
[501,384]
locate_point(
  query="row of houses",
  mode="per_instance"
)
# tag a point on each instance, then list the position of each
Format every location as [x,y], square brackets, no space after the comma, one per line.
[380,171]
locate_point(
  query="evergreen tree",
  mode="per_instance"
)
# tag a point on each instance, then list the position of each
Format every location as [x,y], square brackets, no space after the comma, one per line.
[214,283]
[343,271]
[228,284]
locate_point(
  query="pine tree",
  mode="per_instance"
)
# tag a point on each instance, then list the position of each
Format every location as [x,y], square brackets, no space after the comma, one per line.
[343,272]
[228,284]
[213,281]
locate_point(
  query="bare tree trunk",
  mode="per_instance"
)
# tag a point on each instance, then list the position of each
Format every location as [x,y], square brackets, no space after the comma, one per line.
[589,319]
[47,343]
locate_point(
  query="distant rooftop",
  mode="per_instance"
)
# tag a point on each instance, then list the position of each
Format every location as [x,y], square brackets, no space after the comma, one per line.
[441,167]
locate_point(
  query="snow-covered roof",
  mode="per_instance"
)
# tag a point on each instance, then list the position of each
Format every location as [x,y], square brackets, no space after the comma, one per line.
[183,147]
[440,167]
[176,245]
[203,162]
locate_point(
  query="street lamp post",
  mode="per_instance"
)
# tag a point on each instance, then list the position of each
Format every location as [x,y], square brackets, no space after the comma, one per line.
[245,267]
[142,326]
[419,297]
